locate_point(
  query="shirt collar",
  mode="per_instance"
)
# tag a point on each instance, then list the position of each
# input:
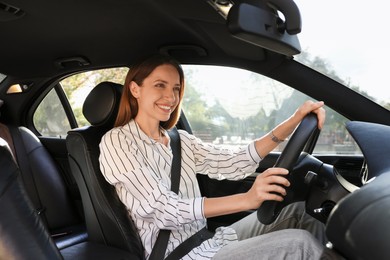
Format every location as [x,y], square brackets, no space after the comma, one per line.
[137,131]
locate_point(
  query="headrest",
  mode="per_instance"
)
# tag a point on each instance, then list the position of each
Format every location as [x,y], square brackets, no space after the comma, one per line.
[101,105]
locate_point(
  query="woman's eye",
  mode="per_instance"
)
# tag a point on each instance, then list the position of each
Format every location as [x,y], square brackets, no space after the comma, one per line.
[160,85]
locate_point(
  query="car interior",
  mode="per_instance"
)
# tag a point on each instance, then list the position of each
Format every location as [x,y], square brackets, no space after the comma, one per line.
[54,201]
[25,234]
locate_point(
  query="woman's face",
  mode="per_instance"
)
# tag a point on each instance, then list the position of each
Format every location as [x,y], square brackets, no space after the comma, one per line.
[158,96]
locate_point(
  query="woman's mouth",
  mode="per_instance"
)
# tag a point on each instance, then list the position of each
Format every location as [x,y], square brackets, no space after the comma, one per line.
[165,108]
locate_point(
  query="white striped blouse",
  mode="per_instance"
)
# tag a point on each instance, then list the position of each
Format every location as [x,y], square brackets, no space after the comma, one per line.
[139,168]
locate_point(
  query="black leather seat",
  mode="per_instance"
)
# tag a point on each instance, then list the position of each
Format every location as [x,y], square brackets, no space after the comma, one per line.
[45,185]
[47,190]
[23,234]
[106,217]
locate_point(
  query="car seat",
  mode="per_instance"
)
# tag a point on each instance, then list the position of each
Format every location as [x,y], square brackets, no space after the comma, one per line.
[23,234]
[107,219]
[45,186]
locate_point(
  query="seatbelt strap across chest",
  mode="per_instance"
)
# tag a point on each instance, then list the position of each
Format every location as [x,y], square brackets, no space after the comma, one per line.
[176,162]
[160,246]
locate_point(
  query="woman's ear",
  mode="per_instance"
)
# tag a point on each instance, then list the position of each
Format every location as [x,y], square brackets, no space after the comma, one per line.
[134,89]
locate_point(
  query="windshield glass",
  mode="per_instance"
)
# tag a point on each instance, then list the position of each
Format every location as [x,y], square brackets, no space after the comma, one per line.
[347,40]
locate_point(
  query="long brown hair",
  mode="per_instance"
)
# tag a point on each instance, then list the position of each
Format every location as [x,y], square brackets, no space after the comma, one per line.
[128,107]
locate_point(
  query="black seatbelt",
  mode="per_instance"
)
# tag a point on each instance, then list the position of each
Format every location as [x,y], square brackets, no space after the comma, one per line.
[160,246]
[194,241]
[176,162]
[27,176]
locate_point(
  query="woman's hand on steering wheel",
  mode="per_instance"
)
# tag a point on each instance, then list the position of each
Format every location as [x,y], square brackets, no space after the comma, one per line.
[311,107]
[269,185]
[270,209]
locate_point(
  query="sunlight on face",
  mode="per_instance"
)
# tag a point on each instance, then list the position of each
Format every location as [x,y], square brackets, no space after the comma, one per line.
[158,96]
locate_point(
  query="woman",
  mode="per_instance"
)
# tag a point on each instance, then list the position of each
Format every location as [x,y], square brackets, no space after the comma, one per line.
[136,159]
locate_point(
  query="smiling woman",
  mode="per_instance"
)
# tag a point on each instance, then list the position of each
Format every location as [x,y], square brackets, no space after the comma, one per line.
[137,162]
[238,87]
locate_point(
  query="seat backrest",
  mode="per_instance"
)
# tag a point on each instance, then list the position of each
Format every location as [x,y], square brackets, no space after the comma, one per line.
[23,234]
[106,217]
[44,183]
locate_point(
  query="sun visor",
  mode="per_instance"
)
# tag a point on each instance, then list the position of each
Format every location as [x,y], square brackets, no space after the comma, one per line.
[263,25]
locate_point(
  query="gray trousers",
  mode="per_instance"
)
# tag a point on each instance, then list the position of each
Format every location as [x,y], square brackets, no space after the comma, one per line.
[293,235]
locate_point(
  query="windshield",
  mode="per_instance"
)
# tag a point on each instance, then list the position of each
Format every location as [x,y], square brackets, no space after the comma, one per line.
[348,41]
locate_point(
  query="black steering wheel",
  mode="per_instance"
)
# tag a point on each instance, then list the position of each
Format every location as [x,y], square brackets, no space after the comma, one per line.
[270,209]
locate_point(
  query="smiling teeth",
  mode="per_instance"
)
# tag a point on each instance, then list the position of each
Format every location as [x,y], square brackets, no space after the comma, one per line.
[165,107]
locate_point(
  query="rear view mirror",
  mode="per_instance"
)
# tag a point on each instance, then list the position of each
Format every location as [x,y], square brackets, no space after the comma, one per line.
[260,24]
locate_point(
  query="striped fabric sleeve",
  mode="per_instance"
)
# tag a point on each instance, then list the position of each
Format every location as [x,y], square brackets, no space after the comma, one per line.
[149,192]
[219,162]
[251,151]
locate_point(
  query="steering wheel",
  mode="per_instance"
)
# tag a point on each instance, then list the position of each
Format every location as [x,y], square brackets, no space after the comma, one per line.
[270,209]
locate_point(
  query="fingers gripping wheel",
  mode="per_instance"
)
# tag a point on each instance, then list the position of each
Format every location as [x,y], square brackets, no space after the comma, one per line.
[269,210]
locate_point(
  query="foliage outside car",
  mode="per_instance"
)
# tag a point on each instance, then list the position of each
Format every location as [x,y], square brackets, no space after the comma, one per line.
[213,117]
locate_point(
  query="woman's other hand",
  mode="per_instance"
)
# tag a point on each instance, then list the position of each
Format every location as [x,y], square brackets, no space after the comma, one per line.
[311,107]
[269,185]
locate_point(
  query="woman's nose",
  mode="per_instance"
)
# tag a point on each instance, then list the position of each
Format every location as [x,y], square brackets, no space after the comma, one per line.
[170,94]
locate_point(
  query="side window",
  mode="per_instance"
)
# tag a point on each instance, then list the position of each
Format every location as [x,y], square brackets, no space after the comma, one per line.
[50,118]
[232,107]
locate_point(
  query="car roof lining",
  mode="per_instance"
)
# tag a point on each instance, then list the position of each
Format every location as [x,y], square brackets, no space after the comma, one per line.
[68,29]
